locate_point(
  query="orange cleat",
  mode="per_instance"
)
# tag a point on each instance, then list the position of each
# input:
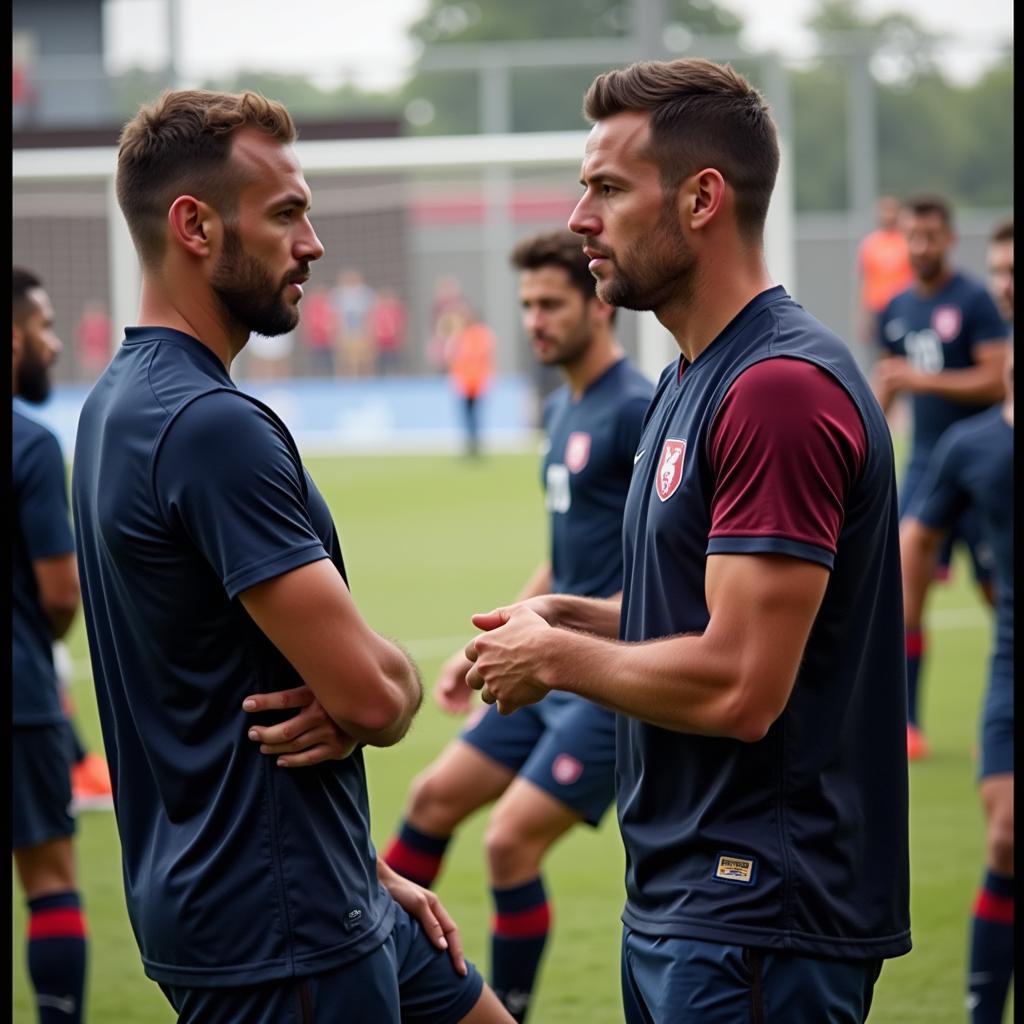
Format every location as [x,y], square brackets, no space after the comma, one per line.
[917,745]
[90,785]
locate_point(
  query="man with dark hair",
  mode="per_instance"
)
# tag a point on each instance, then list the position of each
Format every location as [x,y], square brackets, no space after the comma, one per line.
[214,587]
[755,656]
[45,594]
[552,767]
[972,466]
[944,344]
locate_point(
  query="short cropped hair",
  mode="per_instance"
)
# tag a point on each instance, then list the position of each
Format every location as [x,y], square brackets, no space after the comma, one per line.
[557,249]
[181,144]
[702,114]
[925,203]
[24,281]
[1003,231]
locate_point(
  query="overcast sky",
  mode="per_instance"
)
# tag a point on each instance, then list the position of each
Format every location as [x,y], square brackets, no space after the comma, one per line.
[368,39]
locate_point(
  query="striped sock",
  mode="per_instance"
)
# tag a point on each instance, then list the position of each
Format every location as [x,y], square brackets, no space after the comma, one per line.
[522,921]
[57,949]
[415,855]
[915,652]
[991,956]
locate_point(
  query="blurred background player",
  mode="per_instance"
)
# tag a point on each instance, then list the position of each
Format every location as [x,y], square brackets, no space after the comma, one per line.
[353,300]
[551,766]
[883,263]
[972,465]
[943,343]
[45,598]
[471,353]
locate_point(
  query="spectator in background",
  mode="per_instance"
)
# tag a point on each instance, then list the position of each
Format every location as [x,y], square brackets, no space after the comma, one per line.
[319,326]
[92,338]
[470,358]
[444,317]
[388,321]
[353,300]
[883,264]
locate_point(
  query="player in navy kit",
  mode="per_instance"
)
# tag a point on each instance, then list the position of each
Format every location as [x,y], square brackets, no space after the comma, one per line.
[761,772]
[943,344]
[552,767]
[45,598]
[211,573]
[972,467]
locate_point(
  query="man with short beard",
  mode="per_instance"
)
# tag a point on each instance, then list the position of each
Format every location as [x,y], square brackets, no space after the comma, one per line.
[552,767]
[755,658]
[214,589]
[943,344]
[45,598]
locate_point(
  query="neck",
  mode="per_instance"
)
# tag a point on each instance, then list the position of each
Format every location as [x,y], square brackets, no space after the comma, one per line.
[191,307]
[933,284]
[602,353]
[721,286]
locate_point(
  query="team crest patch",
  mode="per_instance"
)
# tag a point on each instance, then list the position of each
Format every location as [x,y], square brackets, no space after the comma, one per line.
[577,451]
[739,870]
[566,769]
[946,322]
[670,468]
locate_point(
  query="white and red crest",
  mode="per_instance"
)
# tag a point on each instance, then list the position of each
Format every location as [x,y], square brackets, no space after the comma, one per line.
[577,451]
[566,769]
[946,322]
[670,468]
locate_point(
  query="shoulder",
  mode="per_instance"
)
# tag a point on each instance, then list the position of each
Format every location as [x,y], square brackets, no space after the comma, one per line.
[781,382]
[33,441]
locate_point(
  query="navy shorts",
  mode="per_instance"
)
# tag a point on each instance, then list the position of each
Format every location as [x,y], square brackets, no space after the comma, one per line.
[686,981]
[967,529]
[41,785]
[567,748]
[407,979]
[997,722]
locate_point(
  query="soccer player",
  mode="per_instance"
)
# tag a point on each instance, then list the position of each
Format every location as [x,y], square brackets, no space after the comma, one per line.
[944,344]
[553,766]
[761,771]
[972,465]
[45,598]
[212,573]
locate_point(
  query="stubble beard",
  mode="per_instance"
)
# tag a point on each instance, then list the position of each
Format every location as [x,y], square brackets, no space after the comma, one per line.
[248,293]
[33,378]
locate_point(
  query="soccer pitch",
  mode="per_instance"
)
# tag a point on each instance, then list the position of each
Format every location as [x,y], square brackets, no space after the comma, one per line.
[427,541]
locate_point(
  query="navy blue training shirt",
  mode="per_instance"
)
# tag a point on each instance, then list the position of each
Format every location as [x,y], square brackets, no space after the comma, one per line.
[586,473]
[771,442]
[935,333]
[42,529]
[186,492]
[972,466]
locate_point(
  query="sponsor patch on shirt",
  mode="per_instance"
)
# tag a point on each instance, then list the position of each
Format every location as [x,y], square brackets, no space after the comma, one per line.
[577,451]
[946,322]
[739,870]
[670,467]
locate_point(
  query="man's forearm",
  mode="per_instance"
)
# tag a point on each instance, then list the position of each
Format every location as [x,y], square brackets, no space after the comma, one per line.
[597,615]
[406,688]
[971,385]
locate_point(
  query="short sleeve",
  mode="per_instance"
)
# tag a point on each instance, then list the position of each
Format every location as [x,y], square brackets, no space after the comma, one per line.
[43,500]
[226,474]
[986,323]
[940,498]
[630,426]
[785,448]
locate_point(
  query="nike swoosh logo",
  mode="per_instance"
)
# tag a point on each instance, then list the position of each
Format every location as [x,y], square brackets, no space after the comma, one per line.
[639,455]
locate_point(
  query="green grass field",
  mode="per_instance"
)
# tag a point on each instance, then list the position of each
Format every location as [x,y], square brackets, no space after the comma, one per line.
[427,541]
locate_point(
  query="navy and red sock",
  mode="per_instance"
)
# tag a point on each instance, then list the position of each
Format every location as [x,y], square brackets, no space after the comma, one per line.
[522,921]
[991,954]
[915,652]
[57,950]
[416,855]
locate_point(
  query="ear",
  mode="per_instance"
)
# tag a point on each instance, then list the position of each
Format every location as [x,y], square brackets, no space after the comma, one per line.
[702,197]
[194,225]
[598,310]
